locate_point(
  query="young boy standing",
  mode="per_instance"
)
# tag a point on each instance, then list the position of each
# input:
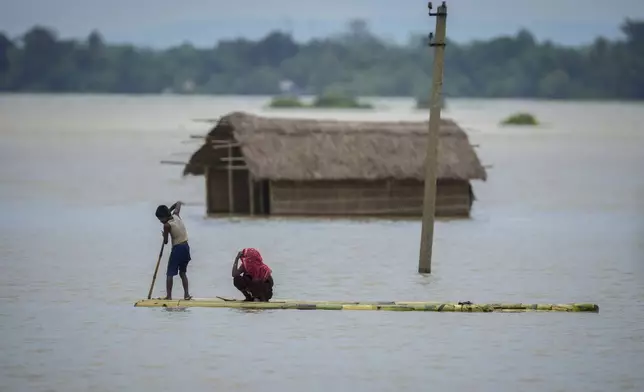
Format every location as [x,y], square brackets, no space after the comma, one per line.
[180,254]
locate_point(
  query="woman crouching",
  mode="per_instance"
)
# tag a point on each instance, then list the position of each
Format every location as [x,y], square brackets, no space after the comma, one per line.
[252,277]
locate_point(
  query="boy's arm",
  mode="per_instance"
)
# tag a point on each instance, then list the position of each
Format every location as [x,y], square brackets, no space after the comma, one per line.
[176,208]
[166,231]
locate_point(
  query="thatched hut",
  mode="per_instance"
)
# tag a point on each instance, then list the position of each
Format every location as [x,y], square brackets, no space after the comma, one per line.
[329,167]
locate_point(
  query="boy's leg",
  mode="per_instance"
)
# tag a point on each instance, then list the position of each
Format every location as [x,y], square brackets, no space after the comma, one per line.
[168,286]
[183,268]
[173,270]
[184,280]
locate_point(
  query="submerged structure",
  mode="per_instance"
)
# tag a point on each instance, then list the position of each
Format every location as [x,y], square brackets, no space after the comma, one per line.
[290,166]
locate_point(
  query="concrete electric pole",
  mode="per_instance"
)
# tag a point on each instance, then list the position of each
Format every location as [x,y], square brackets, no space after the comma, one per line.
[429,200]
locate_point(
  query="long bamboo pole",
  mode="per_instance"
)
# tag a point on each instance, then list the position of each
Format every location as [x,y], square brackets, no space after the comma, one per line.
[156,269]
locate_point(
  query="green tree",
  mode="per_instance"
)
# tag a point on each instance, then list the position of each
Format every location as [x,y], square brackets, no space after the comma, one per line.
[354,61]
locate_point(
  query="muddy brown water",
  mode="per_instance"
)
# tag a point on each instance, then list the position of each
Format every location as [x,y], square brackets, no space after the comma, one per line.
[561,219]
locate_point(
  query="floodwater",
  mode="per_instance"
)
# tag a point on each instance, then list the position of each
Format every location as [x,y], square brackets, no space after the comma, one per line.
[560,219]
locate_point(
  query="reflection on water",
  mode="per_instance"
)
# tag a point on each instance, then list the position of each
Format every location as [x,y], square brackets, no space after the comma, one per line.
[561,219]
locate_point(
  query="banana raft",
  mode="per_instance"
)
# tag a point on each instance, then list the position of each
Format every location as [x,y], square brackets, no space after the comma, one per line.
[221,302]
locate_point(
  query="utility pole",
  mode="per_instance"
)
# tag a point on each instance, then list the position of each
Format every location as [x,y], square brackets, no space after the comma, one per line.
[429,200]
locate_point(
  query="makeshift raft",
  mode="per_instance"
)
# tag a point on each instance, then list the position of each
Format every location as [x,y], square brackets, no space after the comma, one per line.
[221,302]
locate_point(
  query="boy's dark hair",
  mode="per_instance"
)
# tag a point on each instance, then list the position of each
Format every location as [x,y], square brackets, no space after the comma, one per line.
[162,211]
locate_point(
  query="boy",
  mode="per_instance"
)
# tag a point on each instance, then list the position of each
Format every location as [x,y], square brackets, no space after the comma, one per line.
[180,254]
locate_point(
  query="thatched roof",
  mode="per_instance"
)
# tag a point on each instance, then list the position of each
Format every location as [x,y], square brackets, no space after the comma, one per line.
[308,149]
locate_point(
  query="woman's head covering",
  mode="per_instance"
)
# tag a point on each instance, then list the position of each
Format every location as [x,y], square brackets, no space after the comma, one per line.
[254,265]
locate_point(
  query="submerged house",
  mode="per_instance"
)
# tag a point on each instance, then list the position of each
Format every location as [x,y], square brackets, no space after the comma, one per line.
[290,166]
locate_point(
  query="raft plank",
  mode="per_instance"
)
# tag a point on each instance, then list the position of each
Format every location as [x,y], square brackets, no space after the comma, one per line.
[223,302]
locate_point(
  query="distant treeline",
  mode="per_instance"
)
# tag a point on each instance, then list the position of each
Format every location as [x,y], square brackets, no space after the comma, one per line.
[355,62]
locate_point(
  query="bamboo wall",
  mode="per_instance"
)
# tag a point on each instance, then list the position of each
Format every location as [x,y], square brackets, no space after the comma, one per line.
[216,191]
[339,198]
[218,197]
[393,198]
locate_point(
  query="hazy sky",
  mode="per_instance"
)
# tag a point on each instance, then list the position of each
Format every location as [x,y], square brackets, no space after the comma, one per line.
[203,22]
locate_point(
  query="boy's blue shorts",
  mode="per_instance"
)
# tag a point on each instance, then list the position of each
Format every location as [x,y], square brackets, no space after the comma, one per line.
[179,259]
